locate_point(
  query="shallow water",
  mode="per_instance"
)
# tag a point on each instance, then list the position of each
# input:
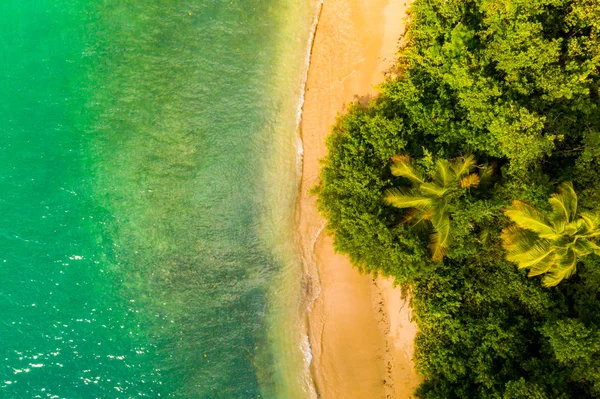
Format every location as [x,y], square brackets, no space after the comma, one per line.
[148,175]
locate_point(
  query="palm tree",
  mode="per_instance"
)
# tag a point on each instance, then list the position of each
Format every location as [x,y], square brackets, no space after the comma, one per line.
[428,199]
[551,242]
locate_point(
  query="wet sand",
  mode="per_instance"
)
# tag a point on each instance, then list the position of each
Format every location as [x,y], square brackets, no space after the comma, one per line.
[359,327]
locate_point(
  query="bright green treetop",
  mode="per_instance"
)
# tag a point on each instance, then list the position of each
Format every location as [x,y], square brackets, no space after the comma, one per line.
[428,199]
[551,243]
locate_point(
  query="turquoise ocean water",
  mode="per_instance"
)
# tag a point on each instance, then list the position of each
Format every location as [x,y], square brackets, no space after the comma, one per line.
[147,187]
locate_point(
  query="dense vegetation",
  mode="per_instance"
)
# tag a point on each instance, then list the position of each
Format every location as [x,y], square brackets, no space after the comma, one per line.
[514,85]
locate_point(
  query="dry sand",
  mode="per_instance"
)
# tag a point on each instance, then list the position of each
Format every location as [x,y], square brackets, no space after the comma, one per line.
[359,327]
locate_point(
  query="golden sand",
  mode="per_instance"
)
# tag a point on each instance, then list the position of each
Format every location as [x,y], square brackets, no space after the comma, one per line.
[359,327]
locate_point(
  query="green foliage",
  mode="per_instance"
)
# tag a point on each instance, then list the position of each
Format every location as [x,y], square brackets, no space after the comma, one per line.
[519,389]
[359,166]
[516,83]
[551,243]
[577,347]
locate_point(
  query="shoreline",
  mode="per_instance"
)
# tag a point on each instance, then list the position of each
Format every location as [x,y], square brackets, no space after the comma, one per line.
[358,327]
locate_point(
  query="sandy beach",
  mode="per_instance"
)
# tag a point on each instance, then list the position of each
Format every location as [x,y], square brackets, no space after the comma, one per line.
[359,327]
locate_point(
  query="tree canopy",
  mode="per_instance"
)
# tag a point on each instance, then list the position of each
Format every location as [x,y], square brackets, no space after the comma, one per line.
[515,83]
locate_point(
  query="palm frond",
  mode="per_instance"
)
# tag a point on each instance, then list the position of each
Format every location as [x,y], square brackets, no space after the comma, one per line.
[401,158]
[402,166]
[439,211]
[431,189]
[443,174]
[517,240]
[565,268]
[440,239]
[417,218]
[527,217]
[584,247]
[400,199]
[535,254]
[545,265]
[564,203]
[582,227]
[463,166]
[571,229]
[469,181]
[592,235]
[592,220]
[558,222]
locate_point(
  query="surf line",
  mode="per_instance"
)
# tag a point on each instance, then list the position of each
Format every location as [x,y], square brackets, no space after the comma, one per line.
[305,346]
